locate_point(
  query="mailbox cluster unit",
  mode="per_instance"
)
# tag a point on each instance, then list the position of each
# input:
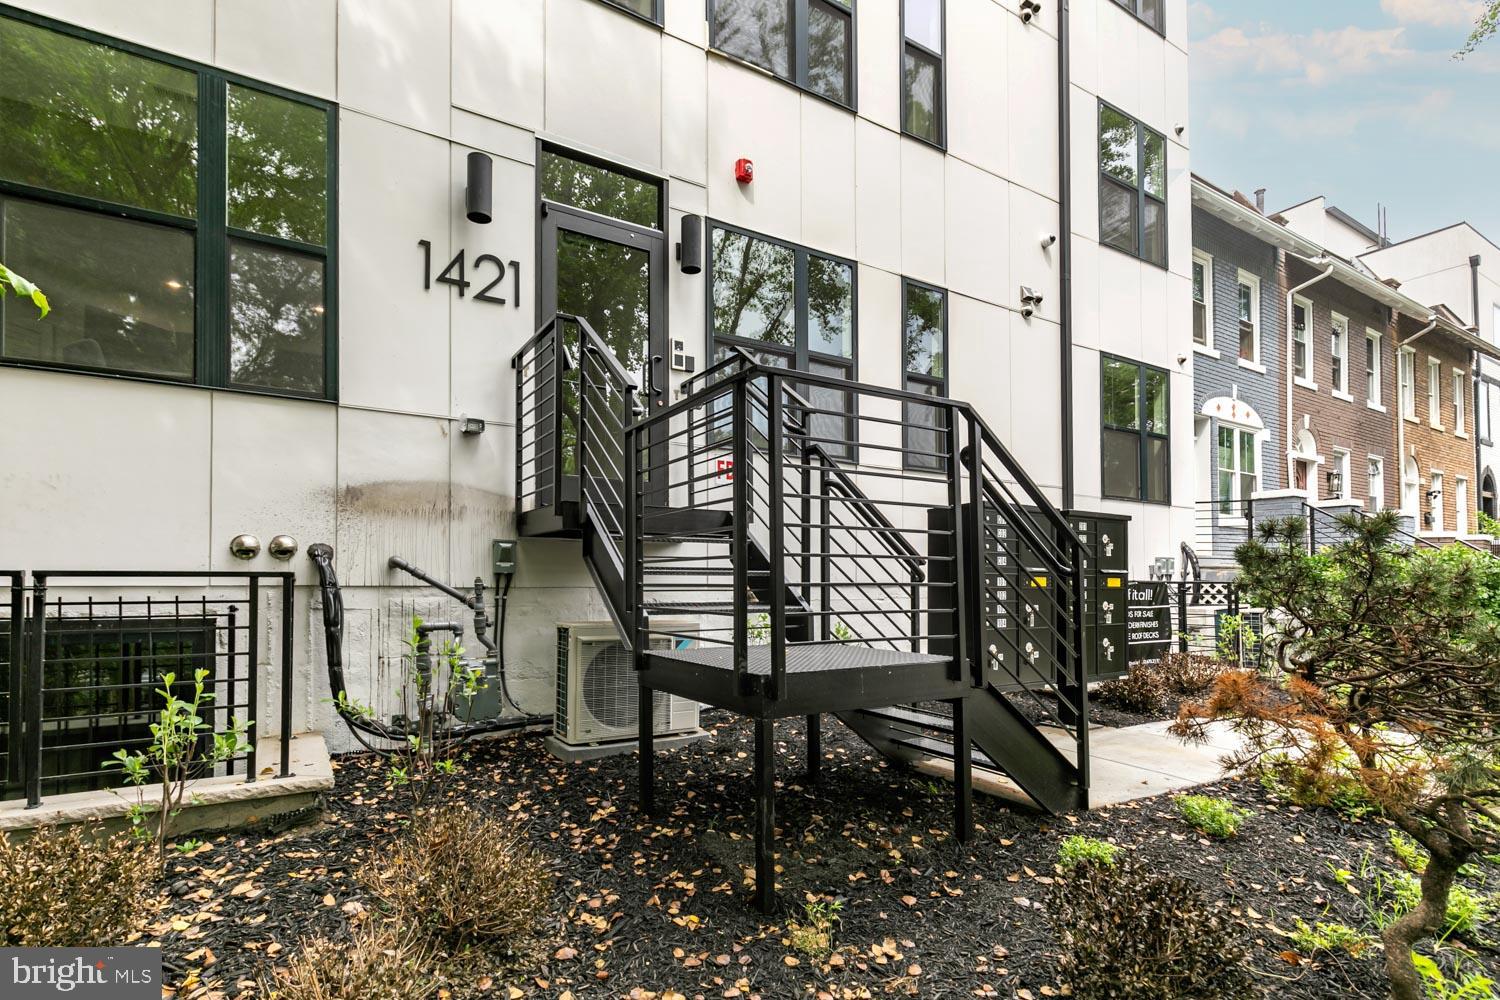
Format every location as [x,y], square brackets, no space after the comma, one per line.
[1013,602]
[1106,570]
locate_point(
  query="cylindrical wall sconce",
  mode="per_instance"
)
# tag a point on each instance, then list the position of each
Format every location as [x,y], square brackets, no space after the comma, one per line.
[690,250]
[479,196]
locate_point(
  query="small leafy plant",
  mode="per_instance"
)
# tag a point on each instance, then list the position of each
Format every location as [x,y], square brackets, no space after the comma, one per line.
[813,935]
[1310,939]
[1077,850]
[183,745]
[437,690]
[1218,818]
[1438,986]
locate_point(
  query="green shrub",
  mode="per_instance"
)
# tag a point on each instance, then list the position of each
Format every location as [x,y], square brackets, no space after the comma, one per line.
[1214,817]
[1128,933]
[1143,690]
[73,888]
[1329,937]
[377,963]
[462,878]
[1410,853]
[1466,910]
[1077,850]
[1438,986]
[1331,787]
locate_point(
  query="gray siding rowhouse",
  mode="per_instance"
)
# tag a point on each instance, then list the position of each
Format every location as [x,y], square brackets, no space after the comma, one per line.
[1233,250]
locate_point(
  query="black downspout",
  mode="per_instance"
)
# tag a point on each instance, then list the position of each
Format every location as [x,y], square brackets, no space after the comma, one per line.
[1065,247]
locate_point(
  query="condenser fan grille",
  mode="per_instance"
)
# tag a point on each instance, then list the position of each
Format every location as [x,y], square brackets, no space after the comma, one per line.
[609,686]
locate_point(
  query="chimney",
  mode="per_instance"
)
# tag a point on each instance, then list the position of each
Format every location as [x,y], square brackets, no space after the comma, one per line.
[1260,200]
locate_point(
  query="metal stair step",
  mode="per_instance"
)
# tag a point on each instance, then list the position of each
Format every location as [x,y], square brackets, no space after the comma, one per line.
[944,749]
[660,607]
[905,715]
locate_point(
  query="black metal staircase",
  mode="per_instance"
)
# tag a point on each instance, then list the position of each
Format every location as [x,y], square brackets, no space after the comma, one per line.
[848,548]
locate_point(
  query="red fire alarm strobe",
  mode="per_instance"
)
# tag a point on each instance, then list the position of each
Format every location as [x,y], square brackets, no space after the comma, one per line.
[744,171]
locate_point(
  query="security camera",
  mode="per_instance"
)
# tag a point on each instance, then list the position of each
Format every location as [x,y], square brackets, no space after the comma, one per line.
[1031,301]
[1029,9]
[1050,239]
[1180,129]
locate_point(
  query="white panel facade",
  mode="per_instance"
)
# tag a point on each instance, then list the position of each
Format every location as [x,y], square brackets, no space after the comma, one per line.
[384,469]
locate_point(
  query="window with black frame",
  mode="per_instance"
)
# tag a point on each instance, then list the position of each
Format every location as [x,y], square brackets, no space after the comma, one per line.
[124,176]
[924,363]
[650,10]
[808,43]
[1135,407]
[1132,186]
[1148,11]
[788,307]
[922,91]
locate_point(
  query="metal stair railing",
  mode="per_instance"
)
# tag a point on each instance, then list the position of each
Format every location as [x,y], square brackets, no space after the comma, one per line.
[845,563]
[1027,536]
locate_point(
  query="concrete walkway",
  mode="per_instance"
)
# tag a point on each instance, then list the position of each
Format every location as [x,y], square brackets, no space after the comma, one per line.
[1138,762]
[1126,764]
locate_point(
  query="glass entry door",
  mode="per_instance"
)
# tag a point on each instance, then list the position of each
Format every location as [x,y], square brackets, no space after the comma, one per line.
[612,274]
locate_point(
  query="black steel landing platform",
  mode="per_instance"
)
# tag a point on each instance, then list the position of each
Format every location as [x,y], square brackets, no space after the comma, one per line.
[820,677]
[827,677]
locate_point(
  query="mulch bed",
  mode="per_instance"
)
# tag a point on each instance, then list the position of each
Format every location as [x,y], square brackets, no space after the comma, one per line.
[659,909]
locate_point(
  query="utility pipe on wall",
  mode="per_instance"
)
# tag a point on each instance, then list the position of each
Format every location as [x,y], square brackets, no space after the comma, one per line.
[1065,248]
[1401,423]
[1291,296]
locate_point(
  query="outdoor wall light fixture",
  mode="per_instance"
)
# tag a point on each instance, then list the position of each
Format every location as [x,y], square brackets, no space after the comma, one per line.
[479,196]
[470,425]
[244,546]
[282,547]
[1336,483]
[690,249]
[1029,9]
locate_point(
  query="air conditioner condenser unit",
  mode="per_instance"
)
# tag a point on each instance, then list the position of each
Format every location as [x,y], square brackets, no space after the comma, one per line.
[597,692]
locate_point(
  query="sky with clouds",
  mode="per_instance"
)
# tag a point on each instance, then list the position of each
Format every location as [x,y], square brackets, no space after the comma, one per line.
[1359,100]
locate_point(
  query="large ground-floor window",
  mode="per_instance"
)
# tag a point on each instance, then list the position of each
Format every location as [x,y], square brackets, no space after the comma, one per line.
[788,307]
[1136,440]
[179,218]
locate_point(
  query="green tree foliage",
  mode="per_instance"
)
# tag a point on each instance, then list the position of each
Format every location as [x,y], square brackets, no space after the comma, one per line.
[1391,679]
[1487,25]
[10,281]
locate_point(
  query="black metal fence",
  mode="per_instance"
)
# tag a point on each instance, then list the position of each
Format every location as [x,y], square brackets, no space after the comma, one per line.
[84,656]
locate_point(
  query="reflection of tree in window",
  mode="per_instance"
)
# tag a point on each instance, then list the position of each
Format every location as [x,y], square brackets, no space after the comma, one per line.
[278,166]
[925,363]
[830,307]
[924,332]
[275,319]
[754,289]
[597,189]
[90,120]
[756,31]
[1117,152]
[828,52]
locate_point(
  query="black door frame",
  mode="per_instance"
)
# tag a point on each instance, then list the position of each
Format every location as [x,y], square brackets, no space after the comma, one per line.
[654,380]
